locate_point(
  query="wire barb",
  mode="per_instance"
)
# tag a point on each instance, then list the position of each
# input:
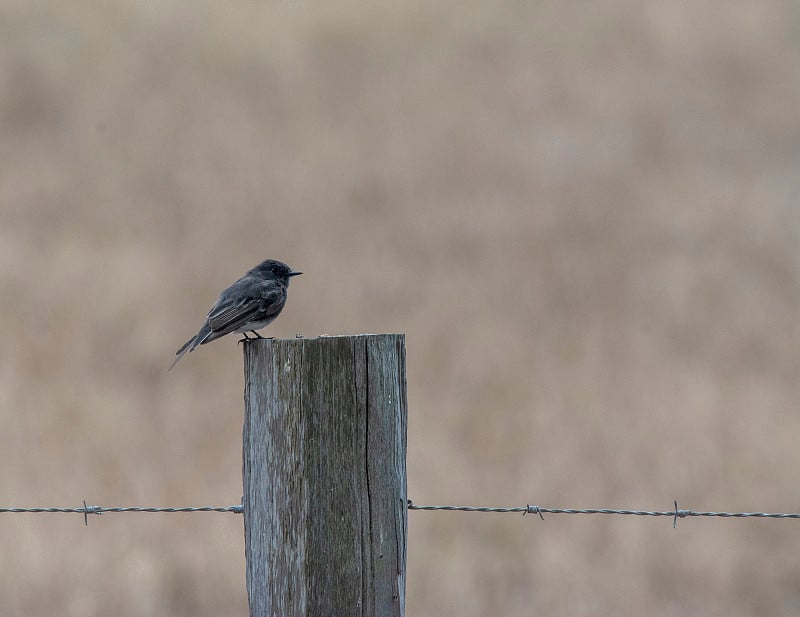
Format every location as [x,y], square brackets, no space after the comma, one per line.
[87,510]
[533,509]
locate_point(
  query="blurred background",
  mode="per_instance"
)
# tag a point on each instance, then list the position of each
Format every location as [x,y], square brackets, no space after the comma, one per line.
[583,216]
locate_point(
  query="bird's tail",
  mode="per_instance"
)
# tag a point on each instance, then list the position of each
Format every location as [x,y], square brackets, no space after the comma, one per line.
[185,348]
[191,344]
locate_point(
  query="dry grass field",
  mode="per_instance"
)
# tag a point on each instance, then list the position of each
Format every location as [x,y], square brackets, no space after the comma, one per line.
[584,216]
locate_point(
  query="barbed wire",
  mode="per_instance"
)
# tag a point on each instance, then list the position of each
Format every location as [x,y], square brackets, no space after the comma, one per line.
[86,510]
[675,513]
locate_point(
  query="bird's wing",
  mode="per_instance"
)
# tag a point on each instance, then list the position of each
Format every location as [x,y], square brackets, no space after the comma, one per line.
[248,303]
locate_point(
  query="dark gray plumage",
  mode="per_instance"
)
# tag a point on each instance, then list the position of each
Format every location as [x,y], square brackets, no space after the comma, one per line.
[248,305]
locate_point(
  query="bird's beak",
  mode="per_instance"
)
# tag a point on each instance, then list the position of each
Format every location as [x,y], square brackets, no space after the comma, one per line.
[294,273]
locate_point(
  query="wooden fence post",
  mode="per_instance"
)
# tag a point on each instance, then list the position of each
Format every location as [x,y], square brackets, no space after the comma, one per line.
[325,511]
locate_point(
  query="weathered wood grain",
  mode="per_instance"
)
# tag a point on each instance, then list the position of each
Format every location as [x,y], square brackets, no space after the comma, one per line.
[325,476]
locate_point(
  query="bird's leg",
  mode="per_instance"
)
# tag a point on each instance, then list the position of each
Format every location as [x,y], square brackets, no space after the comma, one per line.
[242,340]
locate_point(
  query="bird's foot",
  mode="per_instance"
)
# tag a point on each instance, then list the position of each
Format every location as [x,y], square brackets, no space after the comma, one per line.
[262,337]
[243,339]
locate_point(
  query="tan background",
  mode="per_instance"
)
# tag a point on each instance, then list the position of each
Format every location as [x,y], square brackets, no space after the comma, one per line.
[584,216]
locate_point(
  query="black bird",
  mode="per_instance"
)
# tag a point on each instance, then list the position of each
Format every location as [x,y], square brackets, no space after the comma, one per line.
[251,303]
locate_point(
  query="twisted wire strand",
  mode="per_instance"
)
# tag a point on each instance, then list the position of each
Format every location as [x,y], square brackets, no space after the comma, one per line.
[674,513]
[86,510]
[102,509]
